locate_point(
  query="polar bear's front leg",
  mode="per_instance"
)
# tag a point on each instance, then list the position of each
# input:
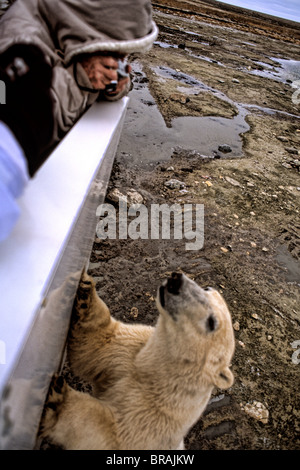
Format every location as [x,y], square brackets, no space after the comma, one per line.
[101,349]
[89,311]
[91,331]
[75,420]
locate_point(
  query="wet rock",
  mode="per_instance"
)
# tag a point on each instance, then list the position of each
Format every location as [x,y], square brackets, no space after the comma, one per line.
[131,196]
[149,102]
[232,181]
[282,138]
[134,312]
[225,148]
[115,195]
[235,80]
[286,165]
[257,410]
[291,150]
[174,184]
[134,197]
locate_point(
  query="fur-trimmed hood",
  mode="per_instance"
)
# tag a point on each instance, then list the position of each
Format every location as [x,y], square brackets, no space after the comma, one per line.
[124,26]
[73,27]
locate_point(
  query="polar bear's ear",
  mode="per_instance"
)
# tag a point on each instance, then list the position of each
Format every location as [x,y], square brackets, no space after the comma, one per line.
[224,379]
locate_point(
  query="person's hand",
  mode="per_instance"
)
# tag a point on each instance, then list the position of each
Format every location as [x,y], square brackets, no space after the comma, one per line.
[121,83]
[102,70]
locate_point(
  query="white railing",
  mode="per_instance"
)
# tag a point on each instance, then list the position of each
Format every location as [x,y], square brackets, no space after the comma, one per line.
[41,263]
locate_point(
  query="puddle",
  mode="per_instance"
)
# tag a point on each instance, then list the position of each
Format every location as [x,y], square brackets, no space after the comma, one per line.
[289,264]
[217,402]
[225,427]
[167,72]
[283,70]
[270,111]
[146,138]
[165,45]
[205,134]
[199,40]
[288,69]
[245,43]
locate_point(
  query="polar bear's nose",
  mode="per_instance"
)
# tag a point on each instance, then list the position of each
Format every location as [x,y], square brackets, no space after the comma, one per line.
[174,283]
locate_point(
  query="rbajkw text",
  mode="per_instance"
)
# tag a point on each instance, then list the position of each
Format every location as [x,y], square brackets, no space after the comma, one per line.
[153,459]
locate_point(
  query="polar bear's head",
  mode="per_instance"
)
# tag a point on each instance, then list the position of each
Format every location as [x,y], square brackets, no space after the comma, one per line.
[198,325]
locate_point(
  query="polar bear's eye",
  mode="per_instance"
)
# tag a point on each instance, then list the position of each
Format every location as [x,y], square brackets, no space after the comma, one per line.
[211,323]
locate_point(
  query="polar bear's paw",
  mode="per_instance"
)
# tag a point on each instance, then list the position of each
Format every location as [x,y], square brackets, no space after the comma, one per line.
[89,311]
[84,297]
[54,403]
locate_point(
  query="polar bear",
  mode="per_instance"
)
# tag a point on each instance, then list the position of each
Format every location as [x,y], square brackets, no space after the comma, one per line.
[150,384]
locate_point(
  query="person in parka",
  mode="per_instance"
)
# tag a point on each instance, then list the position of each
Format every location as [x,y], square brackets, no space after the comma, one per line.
[57,58]
[66,31]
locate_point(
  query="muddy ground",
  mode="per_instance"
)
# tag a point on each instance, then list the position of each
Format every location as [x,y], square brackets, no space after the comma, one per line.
[219,77]
[215,107]
[204,85]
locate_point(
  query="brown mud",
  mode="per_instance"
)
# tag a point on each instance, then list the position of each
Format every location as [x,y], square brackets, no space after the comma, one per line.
[220,77]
